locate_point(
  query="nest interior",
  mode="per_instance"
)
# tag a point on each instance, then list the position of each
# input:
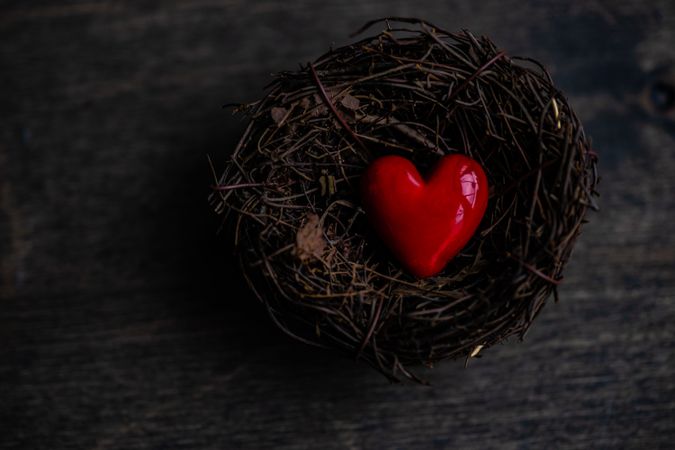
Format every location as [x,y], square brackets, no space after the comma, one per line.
[290,194]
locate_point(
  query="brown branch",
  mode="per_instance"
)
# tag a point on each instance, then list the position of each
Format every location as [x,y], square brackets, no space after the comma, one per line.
[329,103]
[480,70]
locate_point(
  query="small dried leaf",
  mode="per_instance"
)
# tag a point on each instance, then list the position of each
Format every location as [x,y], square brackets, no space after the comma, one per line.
[278,114]
[476,351]
[322,182]
[309,242]
[350,102]
[331,185]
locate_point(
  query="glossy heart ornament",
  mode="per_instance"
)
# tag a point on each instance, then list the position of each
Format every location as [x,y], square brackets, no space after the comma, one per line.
[425,223]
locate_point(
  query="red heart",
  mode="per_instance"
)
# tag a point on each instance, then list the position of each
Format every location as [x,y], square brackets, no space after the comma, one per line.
[425,224]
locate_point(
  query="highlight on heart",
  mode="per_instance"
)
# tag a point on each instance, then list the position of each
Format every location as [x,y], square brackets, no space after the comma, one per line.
[411,197]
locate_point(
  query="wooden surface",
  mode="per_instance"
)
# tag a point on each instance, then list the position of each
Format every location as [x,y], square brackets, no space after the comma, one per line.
[122,324]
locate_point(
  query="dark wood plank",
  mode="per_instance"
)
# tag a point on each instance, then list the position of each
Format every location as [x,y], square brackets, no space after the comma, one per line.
[123,324]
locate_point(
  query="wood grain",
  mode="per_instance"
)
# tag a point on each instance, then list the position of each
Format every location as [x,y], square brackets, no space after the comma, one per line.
[123,324]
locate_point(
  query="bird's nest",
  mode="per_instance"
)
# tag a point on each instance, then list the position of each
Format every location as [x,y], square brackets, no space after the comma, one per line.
[290,194]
